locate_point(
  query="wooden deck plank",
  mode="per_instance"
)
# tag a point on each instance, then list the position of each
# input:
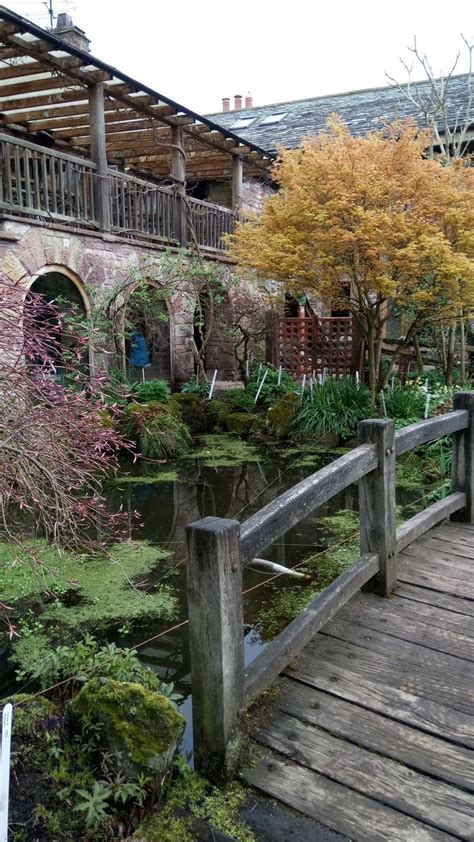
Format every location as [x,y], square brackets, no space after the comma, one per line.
[370,635]
[427,682]
[385,780]
[416,749]
[438,633]
[419,574]
[340,808]
[452,564]
[455,604]
[432,614]
[433,717]
[379,706]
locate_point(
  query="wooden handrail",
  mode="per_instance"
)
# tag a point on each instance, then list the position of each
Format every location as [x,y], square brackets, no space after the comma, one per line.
[218,551]
[53,153]
[304,498]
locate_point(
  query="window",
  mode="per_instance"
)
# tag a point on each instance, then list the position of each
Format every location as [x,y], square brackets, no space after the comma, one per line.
[243,122]
[274,118]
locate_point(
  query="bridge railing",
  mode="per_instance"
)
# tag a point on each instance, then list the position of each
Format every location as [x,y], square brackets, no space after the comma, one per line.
[219,549]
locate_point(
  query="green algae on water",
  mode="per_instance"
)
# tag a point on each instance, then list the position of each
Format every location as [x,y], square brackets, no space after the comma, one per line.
[224,451]
[145,479]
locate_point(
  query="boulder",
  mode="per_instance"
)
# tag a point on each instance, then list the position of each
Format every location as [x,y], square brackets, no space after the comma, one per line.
[140,727]
[282,416]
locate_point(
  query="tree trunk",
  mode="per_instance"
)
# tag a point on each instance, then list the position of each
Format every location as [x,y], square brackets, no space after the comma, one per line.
[419,360]
[463,349]
[450,355]
[372,369]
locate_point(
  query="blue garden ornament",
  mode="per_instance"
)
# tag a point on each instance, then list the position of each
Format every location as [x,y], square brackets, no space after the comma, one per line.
[139,354]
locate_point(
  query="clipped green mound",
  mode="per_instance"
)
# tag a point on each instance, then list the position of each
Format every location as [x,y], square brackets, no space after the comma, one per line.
[158,430]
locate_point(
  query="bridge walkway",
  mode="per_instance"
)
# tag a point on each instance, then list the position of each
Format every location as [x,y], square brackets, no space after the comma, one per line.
[372,732]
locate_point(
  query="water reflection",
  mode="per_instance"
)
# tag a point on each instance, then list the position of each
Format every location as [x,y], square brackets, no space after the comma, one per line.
[166,509]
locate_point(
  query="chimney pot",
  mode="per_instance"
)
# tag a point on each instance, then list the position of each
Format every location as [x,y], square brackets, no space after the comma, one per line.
[249,100]
[237,102]
[70,33]
[225,103]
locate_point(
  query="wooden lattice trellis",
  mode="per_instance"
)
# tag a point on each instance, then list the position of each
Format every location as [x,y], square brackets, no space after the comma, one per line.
[304,345]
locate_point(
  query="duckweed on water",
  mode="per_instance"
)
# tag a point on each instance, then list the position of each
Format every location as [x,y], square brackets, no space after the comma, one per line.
[221,451]
[283,605]
[69,592]
[146,479]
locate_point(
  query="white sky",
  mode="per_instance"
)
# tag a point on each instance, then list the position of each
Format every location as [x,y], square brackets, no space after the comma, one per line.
[197,51]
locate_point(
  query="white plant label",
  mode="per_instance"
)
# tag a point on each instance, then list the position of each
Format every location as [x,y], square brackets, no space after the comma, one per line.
[5,771]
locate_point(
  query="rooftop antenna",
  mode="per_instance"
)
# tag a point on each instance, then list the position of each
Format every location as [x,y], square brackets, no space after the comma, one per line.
[50,9]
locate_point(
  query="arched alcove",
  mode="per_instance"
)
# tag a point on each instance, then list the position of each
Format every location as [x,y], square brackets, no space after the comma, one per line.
[148,346]
[58,286]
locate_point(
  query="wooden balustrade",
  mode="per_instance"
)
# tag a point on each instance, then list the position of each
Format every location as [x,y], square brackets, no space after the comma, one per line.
[208,223]
[142,208]
[219,550]
[35,181]
[40,182]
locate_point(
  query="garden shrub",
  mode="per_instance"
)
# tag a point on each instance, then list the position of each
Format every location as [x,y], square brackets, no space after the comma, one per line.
[405,403]
[159,433]
[335,408]
[153,390]
[270,391]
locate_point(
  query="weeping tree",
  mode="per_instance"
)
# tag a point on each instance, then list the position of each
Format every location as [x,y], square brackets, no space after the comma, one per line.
[359,222]
[56,445]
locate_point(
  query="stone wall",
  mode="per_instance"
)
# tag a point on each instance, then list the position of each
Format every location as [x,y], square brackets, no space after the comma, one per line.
[98,263]
[254,193]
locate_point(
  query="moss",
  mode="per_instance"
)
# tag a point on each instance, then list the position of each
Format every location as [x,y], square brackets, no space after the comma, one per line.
[140,726]
[410,474]
[31,713]
[224,451]
[216,414]
[282,416]
[71,591]
[146,479]
[240,423]
[192,799]
[192,409]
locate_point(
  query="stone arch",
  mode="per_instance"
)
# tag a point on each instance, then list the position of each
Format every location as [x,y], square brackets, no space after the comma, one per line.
[156,329]
[74,282]
[60,284]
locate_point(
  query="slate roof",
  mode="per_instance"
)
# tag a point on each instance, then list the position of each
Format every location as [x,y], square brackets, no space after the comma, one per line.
[361,110]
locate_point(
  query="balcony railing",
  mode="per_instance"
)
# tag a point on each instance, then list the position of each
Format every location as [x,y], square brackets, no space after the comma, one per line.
[41,183]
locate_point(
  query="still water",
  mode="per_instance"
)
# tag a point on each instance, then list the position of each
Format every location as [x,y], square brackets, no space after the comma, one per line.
[231,492]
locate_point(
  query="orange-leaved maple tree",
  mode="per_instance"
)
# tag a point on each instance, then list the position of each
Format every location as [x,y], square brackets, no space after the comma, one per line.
[360,222]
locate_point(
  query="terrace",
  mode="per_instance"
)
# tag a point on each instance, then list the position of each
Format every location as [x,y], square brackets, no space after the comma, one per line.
[84,145]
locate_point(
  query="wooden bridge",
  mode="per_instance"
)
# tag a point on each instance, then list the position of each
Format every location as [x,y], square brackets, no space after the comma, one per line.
[373,727]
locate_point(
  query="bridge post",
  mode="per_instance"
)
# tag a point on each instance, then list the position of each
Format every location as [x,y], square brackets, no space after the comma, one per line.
[377,503]
[463,458]
[216,635]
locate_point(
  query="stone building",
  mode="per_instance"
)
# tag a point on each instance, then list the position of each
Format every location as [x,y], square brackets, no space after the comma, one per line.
[100,174]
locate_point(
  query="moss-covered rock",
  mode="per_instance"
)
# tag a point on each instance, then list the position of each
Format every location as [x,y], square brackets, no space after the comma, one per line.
[193,411]
[282,416]
[141,727]
[240,423]
[217,412]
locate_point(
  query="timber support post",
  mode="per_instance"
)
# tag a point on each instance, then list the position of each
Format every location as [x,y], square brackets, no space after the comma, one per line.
[178,172]
[377,503]
[237,182]
[463,458]
[98,151]
[216,634]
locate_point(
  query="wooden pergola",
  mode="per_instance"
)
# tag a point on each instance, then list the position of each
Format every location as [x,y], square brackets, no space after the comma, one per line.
[63,97]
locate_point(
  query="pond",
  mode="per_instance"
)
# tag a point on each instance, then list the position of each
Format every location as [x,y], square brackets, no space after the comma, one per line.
[223,477]
[181,493]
